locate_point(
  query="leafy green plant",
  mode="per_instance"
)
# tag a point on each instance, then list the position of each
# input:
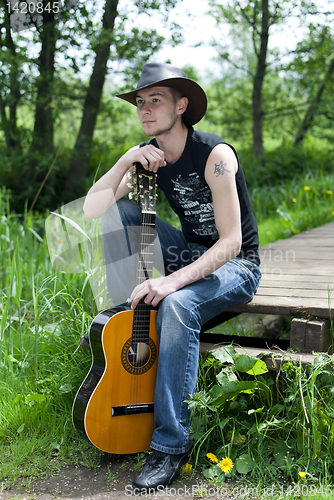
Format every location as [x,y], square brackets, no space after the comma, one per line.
[270,425]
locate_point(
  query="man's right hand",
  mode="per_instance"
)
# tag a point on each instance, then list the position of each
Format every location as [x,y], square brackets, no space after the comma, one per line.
[150,157]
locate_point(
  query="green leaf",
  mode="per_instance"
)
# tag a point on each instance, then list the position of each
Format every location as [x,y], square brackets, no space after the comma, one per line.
[223,377]
[14,300]
[258,369]
[35,234]
[17,399]
[20,429]
[38,398]
[213,473]
[221,394]
[317,443]
[222,423]
[244,464]
[223,355]
[65,388]
[54,446]
[244,363]
[258,410]
[74,224]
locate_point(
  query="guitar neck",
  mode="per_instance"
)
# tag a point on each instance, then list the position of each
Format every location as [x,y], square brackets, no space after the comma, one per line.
[146,200]
[141,319]
[145,262]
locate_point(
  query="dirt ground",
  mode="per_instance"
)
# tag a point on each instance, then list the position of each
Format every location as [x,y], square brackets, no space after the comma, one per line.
[113,481]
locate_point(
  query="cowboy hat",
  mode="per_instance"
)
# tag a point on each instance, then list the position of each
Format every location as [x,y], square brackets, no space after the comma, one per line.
[166,75]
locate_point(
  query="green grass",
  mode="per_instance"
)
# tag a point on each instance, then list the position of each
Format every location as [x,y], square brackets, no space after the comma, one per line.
[293,207]
[44,313]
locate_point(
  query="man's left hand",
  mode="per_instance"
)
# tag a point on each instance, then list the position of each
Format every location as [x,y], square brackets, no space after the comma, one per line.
[154,290]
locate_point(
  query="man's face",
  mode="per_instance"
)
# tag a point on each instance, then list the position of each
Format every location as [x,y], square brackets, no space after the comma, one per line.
[157,110]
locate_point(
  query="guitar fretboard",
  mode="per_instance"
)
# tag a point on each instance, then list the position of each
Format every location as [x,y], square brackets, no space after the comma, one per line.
[141,320]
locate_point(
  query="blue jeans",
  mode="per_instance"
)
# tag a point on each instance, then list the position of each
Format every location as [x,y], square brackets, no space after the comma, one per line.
[180,317]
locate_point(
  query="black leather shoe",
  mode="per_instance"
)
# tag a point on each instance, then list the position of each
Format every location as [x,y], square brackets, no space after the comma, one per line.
[160,469]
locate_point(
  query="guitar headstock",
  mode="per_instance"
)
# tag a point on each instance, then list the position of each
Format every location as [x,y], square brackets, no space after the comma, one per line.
[146,189]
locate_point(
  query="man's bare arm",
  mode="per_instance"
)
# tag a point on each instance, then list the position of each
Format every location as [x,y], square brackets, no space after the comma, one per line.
[114,184]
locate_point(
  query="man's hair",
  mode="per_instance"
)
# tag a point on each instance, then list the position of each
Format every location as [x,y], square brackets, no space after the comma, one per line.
[176,94]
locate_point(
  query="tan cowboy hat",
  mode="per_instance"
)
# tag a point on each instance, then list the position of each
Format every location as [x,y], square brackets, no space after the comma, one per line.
[166,75]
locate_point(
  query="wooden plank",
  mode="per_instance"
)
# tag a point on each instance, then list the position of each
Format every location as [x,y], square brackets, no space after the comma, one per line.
[276,279]
[300,267]
[294,284]
[287,275]
[291,243]
[299,259]
[324,229]
[286,306]
[287,254]
[292,292]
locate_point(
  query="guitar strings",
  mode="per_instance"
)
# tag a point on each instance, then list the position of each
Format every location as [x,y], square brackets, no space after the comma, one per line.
[141,322]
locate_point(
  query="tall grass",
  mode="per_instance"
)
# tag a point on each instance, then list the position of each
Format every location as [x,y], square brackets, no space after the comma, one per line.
[43,315]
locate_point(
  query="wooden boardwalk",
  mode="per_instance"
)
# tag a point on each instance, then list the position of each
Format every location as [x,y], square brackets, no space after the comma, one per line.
[297,276]
[298,281]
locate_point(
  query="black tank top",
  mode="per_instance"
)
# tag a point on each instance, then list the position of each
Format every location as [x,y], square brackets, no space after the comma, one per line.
[190,197]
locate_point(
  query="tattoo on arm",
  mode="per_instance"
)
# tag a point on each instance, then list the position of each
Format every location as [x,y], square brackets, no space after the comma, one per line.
[220,168]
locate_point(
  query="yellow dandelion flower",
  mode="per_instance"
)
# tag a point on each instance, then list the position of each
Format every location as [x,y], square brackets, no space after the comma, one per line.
[332,213]
[187,468]
[294,200]
[329,192]
[226,465]
[301,474]
[212,457]
[307,188]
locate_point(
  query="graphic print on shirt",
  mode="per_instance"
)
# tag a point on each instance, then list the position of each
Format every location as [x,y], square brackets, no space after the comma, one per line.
[195,199]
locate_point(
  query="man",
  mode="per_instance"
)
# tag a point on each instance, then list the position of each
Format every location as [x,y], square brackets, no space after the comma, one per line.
[211,265]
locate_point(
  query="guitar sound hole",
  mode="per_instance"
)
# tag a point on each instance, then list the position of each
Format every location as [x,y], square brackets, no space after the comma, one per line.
[139,354]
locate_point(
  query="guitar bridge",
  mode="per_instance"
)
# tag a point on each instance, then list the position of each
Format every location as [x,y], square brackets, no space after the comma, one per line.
[118,411]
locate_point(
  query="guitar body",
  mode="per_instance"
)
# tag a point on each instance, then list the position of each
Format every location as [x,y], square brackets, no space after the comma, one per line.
[114,405]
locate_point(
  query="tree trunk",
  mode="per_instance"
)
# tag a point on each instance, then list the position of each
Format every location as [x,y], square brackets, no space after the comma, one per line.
[258,149]
[311,111]
[82,151]
[10,123]
[43,128]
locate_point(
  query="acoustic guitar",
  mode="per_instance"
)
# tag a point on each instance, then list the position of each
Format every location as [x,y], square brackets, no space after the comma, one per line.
[115,403]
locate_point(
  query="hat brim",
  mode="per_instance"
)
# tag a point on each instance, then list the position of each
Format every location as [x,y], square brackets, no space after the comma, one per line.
[196,96]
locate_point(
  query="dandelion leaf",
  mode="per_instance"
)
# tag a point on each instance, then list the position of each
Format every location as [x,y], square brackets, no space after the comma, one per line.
[244,464]
[223,355]
[228,391]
